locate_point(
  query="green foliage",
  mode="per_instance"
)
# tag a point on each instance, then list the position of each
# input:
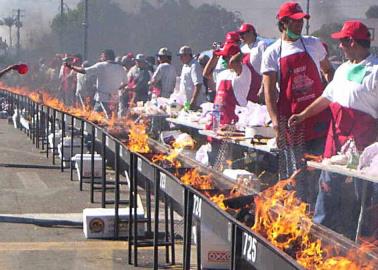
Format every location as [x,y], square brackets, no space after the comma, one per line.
[324,33]
[372,12]
[172,23]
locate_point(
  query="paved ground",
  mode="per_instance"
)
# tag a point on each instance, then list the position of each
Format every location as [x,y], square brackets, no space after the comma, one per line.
[40,215]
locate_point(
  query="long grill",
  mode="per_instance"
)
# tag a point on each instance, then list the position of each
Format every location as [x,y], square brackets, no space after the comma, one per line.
[249,250]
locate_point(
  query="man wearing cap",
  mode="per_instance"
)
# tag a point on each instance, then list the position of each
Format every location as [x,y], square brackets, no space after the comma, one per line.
[164,76]
[216,64]
[295,63]
[110,76]
[191,80]
[253,50]
[232,85]
[138,78]
[352,97]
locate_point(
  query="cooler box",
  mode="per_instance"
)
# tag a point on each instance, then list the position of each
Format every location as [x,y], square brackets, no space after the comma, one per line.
[67,148]
[99,222]
[87,165]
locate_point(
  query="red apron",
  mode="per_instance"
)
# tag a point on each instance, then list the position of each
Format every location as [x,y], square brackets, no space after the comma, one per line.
[225,97]
[256,79]
[300,85]
[349,123]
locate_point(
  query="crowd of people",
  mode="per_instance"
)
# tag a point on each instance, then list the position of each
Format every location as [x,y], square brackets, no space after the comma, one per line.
[292,77]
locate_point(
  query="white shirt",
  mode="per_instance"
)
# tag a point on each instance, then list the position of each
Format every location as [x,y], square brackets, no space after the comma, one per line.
[80,83]
[256,51]
[240,84]
[271,56]
[110,76]
[359,96]
[191,75]
[166,74]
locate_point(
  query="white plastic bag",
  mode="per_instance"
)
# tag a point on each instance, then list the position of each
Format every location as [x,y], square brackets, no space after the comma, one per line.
[202,154]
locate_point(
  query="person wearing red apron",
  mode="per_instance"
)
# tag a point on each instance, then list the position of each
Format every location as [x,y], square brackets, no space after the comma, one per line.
[232,89]
[233,84]
[255,81]
[294,63]
[352,99]
[252,53]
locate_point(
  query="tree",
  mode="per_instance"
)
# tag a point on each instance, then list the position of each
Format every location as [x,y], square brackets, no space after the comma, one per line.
[9,22]
[372,12]
[171,24]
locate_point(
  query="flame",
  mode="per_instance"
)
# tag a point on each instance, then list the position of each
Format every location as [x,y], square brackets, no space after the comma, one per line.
[194,179]
[219,200]
[283,220]
[138,138]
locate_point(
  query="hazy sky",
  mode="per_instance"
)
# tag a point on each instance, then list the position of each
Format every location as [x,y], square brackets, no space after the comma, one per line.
[38,13]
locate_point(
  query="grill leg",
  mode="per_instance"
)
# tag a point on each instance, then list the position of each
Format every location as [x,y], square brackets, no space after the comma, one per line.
[156,224]
[92,162]
[166,228]
[188,220]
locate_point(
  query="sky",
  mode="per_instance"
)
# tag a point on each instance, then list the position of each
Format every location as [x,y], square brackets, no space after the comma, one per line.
[38,13]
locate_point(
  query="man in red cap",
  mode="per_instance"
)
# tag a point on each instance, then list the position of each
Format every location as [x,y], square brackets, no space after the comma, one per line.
[252,54]
[232,84]
[352,97]
[217,64]
[295,63]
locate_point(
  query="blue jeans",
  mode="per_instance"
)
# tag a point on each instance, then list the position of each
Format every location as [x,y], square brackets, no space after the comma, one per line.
[338,211]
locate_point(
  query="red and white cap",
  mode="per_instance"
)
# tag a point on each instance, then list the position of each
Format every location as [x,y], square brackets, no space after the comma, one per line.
[228,50]
[353,29]
[291,10]
[246,27]
[232,37]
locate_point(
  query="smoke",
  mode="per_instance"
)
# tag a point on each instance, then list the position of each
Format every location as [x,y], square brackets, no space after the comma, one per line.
[39,13]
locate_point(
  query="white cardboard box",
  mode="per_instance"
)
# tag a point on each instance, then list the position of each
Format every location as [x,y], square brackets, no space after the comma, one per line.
[87,165]
[99,222]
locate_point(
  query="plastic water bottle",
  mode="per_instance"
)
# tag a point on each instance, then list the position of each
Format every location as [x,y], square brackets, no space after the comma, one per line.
[154,100]
[216,117]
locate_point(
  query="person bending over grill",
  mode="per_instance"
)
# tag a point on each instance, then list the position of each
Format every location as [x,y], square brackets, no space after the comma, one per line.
[352,97]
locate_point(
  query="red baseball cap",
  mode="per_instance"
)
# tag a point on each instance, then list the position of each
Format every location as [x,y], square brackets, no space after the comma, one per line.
[291,10]
[353,29]
[246,27]
[228,50]
[232,37]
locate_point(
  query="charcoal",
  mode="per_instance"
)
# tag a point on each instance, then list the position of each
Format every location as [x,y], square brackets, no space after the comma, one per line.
[238,202]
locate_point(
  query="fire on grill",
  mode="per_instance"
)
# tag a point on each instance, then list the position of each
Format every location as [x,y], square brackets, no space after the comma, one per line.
[275,213]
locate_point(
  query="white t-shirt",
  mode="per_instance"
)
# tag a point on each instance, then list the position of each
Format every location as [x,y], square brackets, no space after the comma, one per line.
[110,76]
[256,51]
[240,83]
[191,75]
[350,94]
[271,56]
[166,74]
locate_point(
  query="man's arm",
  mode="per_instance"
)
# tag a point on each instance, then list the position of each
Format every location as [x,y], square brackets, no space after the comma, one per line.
[7,69]
[197,90]
[236,63]
[320,104]
[77,69]
[210,66]
[327,69]
[271,95]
